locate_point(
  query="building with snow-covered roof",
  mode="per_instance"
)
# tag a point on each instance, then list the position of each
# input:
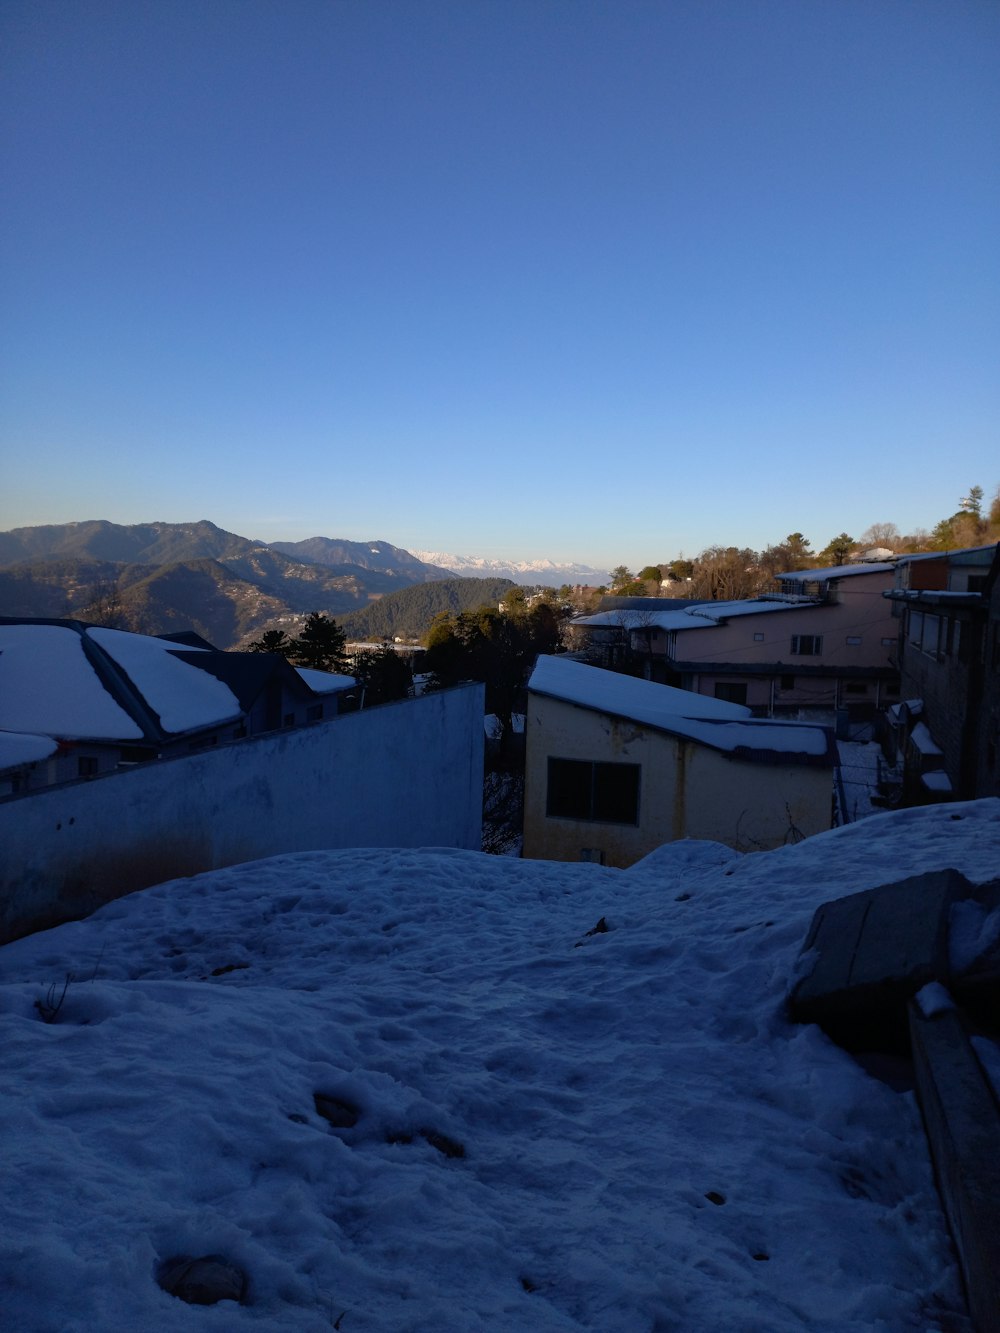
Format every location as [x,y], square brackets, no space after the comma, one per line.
[101,698]
[616,766]
[825,642]
[236,771]
[947,735]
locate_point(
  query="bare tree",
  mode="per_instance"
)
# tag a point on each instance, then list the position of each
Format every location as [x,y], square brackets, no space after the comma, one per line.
[881,534]
[105,606]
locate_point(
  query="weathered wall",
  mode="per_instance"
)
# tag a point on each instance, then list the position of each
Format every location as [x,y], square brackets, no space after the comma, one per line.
[403,775]
[685,790]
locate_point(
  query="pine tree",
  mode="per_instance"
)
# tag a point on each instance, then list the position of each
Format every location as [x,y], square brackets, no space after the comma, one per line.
[321,645]
[272,641]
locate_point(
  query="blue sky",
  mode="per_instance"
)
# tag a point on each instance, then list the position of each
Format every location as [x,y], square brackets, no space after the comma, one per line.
[604,281]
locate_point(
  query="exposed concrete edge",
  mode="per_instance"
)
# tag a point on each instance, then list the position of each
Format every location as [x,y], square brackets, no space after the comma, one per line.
[962,1120]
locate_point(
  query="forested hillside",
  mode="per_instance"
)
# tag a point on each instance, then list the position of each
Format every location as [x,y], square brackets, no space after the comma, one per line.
[408,612]
[155,578]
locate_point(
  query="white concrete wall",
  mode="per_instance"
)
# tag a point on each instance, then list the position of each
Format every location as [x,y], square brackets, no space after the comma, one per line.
[686,790]
[403,775]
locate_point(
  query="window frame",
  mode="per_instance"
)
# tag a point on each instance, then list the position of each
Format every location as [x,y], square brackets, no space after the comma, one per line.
[799,642]
[587,804]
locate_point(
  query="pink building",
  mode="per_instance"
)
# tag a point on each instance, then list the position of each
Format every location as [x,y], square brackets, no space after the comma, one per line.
[827,640]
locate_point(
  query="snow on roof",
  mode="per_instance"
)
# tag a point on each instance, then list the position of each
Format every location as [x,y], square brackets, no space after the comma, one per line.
[938,780]
[703,615]
[836,572]
[47,686]
[982,554]
[631,620]
[325,682]
[183,697]
[609,691]
[713,722]
[640,1121]
[923,742]
[754,606]
[17,748]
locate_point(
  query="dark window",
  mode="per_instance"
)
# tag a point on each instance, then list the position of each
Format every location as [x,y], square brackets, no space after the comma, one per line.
[787,683]
[758,638]
[854,640]
[288,720]
[86,766]
[597,793]
[807,645]
[314,713]
[856,687]
[729,690]
[930,641]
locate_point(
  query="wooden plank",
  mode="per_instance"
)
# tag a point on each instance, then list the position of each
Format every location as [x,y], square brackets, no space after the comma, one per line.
[962,1120]
[877,948]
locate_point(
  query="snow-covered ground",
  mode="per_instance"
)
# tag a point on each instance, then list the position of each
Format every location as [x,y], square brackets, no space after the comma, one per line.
[647,1143]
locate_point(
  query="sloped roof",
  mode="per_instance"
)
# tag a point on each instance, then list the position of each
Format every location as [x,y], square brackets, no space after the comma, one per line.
[325,682]
[181,698]
[50,686]
[715,723]
[72,681]
[699,615]
[17,748]
[836,572]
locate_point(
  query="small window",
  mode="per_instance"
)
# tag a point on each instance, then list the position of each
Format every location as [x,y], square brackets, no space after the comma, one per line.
[854,640]
[730,691]
[888,643]
[930,642]
[593,792]
[758,637]
[86,766]
[592,854]
[807,645]
[288,720]
[787,683]
[314,713]
[856,687]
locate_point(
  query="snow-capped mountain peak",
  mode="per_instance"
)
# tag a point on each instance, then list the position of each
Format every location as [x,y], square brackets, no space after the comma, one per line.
[544,571]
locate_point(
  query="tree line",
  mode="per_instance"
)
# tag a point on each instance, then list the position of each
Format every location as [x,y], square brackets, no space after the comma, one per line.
[724,573]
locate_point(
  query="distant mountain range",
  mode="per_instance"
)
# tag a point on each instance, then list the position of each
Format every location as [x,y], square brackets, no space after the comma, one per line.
[526,572]
[162,577]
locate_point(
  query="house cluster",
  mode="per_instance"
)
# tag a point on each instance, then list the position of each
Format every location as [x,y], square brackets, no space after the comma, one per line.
[825,640]
[722,727]
[727,730]
[78,700]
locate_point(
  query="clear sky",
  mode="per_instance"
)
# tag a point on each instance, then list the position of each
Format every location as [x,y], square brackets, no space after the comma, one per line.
[596,281]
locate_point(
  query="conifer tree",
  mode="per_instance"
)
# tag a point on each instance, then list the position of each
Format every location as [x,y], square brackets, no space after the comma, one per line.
[321,645]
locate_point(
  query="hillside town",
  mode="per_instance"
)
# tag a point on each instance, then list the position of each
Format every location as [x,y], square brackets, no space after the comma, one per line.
[670,739]
[500,667]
